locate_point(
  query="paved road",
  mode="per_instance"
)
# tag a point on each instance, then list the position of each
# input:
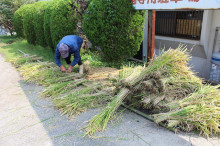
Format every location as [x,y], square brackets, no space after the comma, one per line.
[27,119]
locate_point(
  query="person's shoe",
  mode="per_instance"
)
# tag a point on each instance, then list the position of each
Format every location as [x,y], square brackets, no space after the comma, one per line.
[81,69]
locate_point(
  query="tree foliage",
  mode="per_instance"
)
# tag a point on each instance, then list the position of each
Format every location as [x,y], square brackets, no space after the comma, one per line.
[6,14]
[114,26]
[7,10]
[45,23]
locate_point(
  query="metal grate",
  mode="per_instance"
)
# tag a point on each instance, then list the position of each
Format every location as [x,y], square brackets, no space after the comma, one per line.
[181,24]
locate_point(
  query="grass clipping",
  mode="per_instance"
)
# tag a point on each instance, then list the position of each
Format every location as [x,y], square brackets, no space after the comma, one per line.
[167,78]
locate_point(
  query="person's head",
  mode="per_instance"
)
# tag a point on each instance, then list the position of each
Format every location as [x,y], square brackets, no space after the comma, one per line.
[64,50]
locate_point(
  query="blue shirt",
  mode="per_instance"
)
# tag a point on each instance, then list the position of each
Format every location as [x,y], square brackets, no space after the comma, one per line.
[74,43]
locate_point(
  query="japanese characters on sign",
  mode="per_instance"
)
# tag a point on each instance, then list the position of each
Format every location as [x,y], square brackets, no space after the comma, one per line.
[176,4]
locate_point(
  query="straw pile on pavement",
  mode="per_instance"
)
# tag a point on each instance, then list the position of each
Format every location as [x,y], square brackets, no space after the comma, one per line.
[166,79]
[43,73]
[81,99]
[71,93]
[199,111]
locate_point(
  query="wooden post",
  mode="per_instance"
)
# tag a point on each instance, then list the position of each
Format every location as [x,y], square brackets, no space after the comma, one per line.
[151,34]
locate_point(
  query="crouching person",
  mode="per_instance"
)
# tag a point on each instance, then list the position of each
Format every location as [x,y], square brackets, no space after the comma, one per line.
[70,44]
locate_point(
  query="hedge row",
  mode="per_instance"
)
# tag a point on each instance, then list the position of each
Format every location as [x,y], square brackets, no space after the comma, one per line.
[38,20]
[18,20]
[47,34]
[63,20]
[46,22]
[29,25]
[113,25]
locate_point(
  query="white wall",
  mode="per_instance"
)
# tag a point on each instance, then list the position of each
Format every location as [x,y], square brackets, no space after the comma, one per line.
[215,23]
[207,39]
[206,29]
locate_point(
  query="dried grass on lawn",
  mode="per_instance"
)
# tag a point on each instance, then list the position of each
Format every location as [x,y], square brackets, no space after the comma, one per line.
[17,62]
[101,73]
[40,72]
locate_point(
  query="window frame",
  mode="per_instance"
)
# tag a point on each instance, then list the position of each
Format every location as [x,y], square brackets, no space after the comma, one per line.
[182,34]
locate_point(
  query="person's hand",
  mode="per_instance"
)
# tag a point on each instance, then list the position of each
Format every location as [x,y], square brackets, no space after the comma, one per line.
[62,68]
[70,68]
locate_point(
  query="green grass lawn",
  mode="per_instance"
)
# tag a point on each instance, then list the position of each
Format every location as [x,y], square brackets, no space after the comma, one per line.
[9,47]
[11,50]
[7,39]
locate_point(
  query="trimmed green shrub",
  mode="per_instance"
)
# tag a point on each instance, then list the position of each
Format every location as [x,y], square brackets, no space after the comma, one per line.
[38,22]
[115,26]
[28,24]
[18,21]
[63,20]
[47,15]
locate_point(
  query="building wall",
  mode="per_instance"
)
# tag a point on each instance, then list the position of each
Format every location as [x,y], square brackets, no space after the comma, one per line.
[201,51]
[215,23]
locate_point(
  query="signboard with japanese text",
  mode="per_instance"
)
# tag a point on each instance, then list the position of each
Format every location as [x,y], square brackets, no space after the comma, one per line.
[175,4]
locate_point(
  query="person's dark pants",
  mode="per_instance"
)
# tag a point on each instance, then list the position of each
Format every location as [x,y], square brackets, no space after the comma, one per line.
[68,60]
